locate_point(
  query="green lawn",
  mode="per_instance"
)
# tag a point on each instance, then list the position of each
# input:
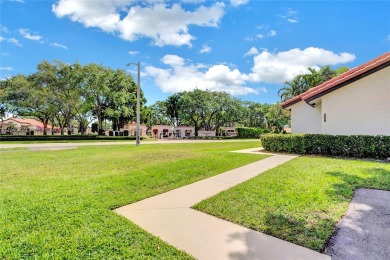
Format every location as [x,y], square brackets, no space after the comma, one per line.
[57,204]
[299,201]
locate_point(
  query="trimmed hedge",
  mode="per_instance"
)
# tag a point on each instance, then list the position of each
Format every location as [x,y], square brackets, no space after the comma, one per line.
[357,146]
[63,137]
[250,132]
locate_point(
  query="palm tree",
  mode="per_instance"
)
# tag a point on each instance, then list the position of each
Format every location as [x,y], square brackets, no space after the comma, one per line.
[302,83]
[173,108]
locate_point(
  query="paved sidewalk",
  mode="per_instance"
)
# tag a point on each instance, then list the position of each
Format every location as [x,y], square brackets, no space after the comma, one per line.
[364,232]
[170,217]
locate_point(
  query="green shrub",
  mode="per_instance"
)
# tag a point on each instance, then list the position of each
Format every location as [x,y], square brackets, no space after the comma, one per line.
[357,146]
[250,132]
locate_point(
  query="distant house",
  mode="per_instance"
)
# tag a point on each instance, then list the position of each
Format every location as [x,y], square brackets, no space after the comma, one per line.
[184,131]
[353,103]
[161,131]
[228,131]
[22,126]
[166,131]
[132,128]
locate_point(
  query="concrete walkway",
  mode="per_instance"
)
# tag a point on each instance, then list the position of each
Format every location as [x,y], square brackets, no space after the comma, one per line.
[169,217]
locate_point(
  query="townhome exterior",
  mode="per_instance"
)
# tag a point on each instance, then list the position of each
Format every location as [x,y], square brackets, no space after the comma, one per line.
[132,128]
[356,102]
[21,126]
[184,131]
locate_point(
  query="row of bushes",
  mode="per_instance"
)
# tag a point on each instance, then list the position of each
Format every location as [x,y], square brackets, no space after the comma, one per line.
[62,137]
[357,146]
[250,132]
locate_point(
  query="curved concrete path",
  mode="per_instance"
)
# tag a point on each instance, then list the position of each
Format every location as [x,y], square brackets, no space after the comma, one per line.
[169,217]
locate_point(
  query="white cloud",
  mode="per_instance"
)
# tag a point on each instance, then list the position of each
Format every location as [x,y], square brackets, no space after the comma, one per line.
[58,45]
[18,1]
[6,68]
[291,16]
[205,49]
[263,89]
[272,33]
[292,20]
[173,60]
[133,53]
[238,2]
[26,34]
[5,53]
[252,51]
[193,1]
[282,66]
[182,76]
[388,38]
[4,29]
[165,25]
[223,74]
[2,38]
[261,26]
[15,42]
[263,34]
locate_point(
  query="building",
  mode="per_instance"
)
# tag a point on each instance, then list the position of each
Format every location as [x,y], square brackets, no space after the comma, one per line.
[22,126]
[228,131]
[356,102]
[161,131]
[184,131]
[166,131]
[132,129]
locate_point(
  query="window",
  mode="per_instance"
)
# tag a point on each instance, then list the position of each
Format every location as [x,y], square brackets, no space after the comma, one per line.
[324,117]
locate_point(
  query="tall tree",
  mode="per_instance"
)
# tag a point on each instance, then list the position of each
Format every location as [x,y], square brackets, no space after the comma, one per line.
[277,118]
[209,110]
[29,96]
[96,90]
[174,109]
[254,114]
[4,88]
[301,83]
[193,106]
[64,81]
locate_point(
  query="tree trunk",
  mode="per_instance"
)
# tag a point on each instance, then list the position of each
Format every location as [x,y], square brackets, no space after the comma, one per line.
[100,123]
[45,127]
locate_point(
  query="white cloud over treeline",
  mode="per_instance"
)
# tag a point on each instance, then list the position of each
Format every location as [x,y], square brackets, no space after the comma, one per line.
[179,74]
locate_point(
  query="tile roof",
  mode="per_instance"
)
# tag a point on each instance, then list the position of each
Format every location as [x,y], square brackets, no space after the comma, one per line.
[338,81]
[28,121]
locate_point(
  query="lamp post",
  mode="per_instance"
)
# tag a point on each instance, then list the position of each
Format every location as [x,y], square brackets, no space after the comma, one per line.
[137,134]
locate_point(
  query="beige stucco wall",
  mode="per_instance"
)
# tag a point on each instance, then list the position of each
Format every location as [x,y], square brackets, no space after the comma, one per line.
[206,133]
[305,119]
[182,130]
[362,107]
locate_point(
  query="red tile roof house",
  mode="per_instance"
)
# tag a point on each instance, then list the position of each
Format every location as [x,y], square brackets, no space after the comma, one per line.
[356,102]
[22,125]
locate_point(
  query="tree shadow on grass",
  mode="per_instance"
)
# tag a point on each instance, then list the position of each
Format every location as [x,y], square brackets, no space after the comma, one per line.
[299,229]
[344,189]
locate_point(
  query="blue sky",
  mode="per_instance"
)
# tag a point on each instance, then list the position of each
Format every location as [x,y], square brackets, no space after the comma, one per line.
[247,48]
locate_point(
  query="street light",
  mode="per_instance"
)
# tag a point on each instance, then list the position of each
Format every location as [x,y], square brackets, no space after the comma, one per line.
[137,134]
